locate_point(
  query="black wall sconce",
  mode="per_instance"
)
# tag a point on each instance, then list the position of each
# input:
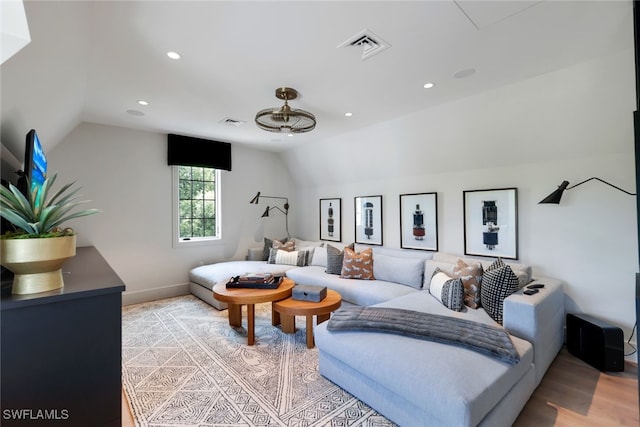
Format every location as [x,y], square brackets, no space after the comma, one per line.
[265,214]
[557,194]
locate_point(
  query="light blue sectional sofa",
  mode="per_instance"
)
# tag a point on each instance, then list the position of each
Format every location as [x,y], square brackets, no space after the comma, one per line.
[416,382]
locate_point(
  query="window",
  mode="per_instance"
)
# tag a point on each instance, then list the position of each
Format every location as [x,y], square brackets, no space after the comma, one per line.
[196,204]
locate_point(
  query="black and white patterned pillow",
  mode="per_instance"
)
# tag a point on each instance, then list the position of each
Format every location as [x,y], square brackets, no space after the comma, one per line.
[447,290]
[498,282]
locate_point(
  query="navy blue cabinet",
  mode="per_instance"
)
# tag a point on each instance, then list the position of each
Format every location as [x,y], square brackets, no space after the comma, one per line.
[61,351]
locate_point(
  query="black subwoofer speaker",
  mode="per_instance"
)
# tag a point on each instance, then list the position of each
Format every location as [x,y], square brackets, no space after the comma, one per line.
[596,342]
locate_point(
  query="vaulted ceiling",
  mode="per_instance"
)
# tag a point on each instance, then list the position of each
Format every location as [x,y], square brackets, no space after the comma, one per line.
[93,61]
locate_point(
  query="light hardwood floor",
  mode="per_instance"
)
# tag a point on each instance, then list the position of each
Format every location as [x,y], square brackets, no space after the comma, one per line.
[571,394]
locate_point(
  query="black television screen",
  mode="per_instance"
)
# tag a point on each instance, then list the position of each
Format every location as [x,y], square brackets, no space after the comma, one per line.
[35,162]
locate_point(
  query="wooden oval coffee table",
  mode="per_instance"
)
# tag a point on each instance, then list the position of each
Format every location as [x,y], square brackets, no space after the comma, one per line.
[284,312]
[237,297]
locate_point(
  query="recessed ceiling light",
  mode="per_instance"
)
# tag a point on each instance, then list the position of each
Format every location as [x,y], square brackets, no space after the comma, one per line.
[464,73]
[173,55]
[429,85]
[348,114]
[142,102]
[135,113]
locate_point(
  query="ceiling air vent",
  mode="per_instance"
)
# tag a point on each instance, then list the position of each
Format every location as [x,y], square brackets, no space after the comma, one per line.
[232,122]
[370,43]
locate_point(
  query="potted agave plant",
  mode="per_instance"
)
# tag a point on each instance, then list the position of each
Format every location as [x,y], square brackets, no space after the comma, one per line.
[37,248]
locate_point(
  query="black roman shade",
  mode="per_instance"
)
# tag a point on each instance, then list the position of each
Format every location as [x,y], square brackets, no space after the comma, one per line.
[189,151]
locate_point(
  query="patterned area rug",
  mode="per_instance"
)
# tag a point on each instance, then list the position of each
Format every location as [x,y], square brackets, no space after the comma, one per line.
[183,365]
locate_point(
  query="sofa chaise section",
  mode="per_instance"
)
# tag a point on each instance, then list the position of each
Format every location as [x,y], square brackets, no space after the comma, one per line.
[421,383]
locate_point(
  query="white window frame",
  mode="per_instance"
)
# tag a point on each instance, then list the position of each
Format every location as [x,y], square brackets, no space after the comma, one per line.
[175,195]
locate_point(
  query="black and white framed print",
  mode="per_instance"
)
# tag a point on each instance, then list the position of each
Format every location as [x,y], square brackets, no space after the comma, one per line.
[419,221]
[331,219]
[368,219]
[491,222]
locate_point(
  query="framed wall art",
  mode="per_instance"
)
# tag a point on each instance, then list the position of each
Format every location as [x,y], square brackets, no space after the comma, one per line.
[368,220]
[331,219]
[491,223]
[419,221]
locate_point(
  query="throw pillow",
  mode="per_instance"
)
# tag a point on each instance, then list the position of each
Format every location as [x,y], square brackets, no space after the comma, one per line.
[522,272]
[497,283]
[357,265]
[289,245]
[334,259]
[278,256]
[310,250]
[268,244]
[449,291]
[496,264]
[471,276]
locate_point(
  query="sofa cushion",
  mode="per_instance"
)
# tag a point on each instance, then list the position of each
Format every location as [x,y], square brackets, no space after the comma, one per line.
[299,243]
[449,291]
[406,271]
[335,257]
[471,276]
[319,257]
[498,282]
[357,265]
[430,267]
[354,291]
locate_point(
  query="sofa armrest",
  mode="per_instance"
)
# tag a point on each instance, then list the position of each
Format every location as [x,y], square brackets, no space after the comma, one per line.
[539,319]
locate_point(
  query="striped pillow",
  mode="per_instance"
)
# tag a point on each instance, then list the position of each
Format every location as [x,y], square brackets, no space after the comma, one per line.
[278,256]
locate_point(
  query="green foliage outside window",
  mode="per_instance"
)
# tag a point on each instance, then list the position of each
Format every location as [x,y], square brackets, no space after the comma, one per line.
[197,188]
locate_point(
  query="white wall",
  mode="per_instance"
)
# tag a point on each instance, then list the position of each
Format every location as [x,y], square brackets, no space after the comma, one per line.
[508,138]
[125,174]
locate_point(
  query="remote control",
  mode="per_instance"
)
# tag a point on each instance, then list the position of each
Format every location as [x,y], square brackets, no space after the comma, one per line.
[536,286]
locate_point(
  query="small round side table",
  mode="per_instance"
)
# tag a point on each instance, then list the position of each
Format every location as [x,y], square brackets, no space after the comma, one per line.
[284,311]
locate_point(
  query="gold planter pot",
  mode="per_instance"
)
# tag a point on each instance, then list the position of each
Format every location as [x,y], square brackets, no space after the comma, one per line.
[37,263]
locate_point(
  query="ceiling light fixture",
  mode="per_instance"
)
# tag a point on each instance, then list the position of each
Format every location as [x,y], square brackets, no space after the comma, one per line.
[285,119]
[142,102]
[348,114]
[429,85]
[173,55]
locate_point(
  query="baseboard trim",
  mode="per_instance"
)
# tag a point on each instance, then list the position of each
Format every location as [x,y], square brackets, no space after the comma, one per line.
[137,297]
